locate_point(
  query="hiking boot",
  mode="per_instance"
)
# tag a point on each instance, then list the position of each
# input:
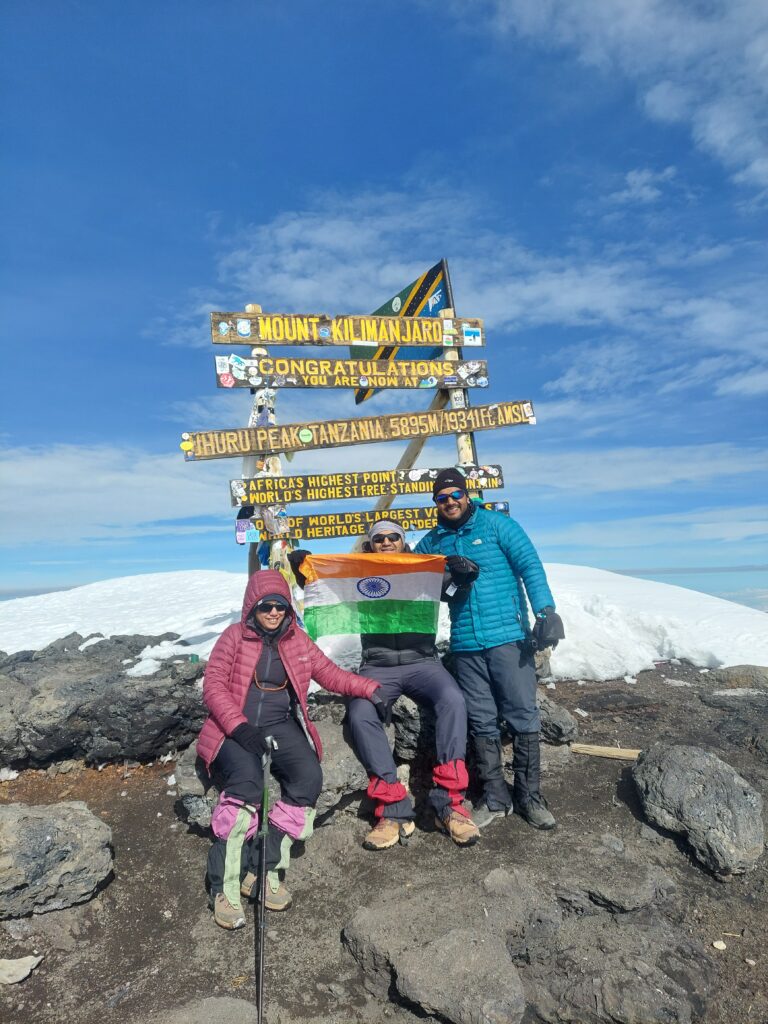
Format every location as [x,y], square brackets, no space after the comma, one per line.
[278,897]
[225,915]
[526,764]
[248,886]
[488,759]
[462,830]
[388,832]
[482,816]
[536,813]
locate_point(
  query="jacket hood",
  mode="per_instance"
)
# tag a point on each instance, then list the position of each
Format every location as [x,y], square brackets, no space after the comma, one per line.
[267,581]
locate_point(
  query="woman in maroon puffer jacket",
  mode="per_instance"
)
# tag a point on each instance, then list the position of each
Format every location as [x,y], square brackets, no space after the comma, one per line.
[256,685]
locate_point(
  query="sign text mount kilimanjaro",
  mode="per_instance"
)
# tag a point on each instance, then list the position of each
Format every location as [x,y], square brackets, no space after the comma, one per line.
[321,329]
[294,437]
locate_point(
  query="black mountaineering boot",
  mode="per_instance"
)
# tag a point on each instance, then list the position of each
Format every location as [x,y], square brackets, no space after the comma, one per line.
[529,803]
[496,794]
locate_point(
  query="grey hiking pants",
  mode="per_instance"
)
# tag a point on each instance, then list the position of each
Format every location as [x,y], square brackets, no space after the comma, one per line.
[498,682]
[426,682]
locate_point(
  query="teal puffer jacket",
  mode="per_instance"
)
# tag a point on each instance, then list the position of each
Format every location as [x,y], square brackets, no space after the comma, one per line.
[492,612]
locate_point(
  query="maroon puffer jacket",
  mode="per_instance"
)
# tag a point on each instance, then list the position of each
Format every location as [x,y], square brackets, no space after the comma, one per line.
[233,662]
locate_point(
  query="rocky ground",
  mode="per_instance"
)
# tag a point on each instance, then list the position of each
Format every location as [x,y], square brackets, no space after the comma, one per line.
[605,903]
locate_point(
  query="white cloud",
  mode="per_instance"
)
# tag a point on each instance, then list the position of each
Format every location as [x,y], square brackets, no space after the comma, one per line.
[754,382]
[698,526]
[600,368]
[343,249]
[642,186]
[104,492]
[113,494]
[627,469]
[701,64]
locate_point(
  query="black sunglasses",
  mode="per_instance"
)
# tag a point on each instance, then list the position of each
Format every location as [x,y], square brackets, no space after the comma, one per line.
[271,606]
[381,537]
[454,495]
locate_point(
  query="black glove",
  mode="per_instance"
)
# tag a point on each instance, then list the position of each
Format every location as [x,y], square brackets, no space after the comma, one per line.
[295,558]
[249,739]
[463,570]
[383,708]
[548,629]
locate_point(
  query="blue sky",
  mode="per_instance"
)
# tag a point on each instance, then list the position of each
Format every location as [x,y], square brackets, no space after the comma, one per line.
[596,174]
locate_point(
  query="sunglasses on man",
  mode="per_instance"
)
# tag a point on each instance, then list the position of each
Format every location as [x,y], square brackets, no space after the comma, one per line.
[453,495]
[381,537]
[271,606]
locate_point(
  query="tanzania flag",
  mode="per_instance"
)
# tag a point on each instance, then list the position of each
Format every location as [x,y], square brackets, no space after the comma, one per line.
[366,593]
[425,296]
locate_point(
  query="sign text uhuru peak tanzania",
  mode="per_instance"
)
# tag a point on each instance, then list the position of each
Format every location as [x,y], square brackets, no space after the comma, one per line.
[321,329]
[293,437]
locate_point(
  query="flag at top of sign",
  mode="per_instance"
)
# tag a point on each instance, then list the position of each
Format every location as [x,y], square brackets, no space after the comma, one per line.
[371,593]
[426,296]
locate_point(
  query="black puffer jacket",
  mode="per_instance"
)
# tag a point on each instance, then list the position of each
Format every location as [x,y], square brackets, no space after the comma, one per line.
[391,649]
[388,649]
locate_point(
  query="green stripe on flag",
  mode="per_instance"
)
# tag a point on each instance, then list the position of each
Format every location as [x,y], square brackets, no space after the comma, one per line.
[381,616]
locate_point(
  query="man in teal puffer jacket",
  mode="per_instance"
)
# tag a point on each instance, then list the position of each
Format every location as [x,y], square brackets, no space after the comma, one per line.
[494,662]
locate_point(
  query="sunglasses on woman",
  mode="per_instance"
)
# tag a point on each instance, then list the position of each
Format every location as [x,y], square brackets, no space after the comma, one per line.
[381,537]
[271,606]
[453,495]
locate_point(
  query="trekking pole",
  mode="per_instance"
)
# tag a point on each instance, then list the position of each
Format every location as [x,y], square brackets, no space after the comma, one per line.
[266,760]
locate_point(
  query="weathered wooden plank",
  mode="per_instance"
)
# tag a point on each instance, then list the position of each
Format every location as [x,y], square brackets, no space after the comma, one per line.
[618,753]
[342,524]
[234,371]
[287,490]
[321,329]
[294,437]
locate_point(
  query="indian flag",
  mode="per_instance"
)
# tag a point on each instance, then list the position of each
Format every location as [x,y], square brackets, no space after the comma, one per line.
[371,593]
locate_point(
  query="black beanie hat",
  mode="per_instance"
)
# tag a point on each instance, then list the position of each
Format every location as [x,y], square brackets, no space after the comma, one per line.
[276,598]
[449,478]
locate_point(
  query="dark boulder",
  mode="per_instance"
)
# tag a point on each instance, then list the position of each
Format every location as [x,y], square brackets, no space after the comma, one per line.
[521,953]
[692,792]
[63,702]
[52,857]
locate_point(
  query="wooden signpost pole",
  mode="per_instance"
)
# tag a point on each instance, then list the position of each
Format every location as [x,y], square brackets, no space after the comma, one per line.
[465,443]
[407,460]
[278,549]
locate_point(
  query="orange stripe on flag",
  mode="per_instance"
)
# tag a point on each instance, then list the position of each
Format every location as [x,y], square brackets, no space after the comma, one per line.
[316,567]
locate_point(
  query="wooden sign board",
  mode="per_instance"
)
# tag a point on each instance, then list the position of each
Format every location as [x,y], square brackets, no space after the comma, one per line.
[233,371]
[286,490]
[344,524]
[321,329]
[296,437]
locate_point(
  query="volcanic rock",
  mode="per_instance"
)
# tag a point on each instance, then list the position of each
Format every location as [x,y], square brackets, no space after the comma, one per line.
[520,952]
[63,702]
[741,676]
[690,791]
[53,856]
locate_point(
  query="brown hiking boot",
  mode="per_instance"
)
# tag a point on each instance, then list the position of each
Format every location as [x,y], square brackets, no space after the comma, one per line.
[462,830]
[248,886]
[278,897]
[386,833]
[225,915]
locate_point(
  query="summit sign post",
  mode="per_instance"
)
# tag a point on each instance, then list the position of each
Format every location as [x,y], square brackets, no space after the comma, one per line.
[414,341]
